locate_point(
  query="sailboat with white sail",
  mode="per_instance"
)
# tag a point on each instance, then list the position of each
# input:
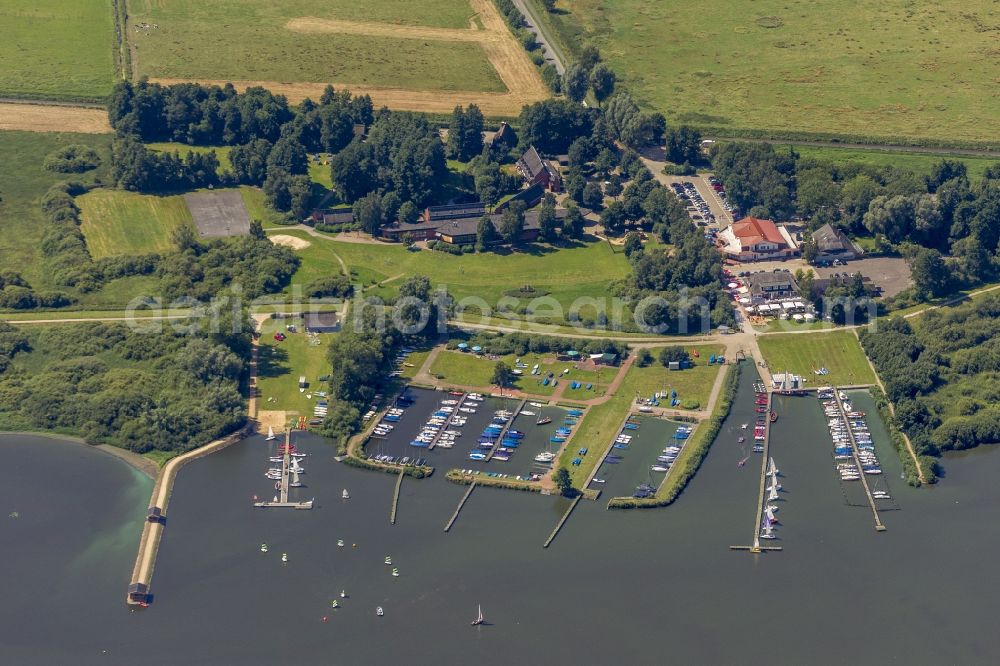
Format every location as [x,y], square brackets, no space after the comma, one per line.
[270,434]
[479,618]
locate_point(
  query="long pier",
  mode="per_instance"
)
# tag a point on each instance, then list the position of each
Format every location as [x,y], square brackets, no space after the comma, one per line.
[562,521]
[879,527]
[607,450]
[282,501]
[395,498]
[506,427]
[447,422]
[139,590]
[458,509]
[757,547]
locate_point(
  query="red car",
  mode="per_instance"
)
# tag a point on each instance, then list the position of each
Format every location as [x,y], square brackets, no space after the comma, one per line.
[279,337]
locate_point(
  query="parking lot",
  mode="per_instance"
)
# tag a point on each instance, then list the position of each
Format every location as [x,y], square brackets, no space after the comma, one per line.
[892,274]
[706,205]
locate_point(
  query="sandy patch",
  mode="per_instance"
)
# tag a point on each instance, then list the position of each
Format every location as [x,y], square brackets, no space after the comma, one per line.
[43,118]
[271,417]
[290,241]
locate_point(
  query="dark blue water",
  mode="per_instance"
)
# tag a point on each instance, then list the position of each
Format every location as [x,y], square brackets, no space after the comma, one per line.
[615,587]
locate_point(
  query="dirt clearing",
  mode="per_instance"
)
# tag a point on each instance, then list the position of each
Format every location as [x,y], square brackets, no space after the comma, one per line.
[290,241]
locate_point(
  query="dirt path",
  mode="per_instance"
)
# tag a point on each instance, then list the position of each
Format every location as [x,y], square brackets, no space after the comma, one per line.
[504,52]
[53,118]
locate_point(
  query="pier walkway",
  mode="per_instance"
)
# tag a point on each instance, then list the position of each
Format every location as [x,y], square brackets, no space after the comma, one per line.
[447,423]
[282,501]
[879,527]
[506,427]
[458,509]
[756,546]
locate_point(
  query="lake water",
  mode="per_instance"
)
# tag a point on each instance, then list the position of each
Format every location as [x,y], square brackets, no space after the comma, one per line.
[614,587]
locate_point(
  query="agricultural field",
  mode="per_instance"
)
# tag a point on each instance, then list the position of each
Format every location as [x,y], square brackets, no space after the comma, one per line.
[803,354]
[117,222]
[23,182]
[888,69]
[58,49]
[917,162]
[405,54]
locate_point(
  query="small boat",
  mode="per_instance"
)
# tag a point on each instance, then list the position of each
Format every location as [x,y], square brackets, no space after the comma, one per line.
[379,611]
[535,404]
[334,604]
[659,468]
[479,618]
[543,421]
[263,547]
[284,557]
[388,560]
[345,494]
[343,594]
[773,416]
[270,433]
[527,413]
[340,543]
[745,426]
[395,573]
[741,440]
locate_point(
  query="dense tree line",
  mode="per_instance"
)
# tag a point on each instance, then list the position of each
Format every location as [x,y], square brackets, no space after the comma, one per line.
[942,374]
[945,224]
[112,385]
[137,168]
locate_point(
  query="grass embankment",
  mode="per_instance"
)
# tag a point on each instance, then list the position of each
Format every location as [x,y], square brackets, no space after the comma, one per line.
[601,422]
[692,454]
[57,49]
[802,354]
[280,364]
[886,69]
[256,44]
[466,369]
[121,223]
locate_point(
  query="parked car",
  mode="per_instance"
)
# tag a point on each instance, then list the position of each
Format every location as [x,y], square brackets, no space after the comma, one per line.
[279,337]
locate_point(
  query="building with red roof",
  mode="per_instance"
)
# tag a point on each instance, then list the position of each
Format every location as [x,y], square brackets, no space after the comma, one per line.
[754,239]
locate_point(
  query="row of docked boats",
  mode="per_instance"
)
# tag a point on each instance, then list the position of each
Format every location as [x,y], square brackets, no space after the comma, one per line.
[497,437]
[398,460]
[853,447]
[769,519]
[562,433]
[443,426]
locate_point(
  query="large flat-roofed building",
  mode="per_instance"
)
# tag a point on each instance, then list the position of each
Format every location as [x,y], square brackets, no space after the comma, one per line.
[754,239]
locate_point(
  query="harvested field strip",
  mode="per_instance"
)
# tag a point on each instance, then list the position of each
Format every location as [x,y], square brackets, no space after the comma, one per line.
[44,118]
[313,25]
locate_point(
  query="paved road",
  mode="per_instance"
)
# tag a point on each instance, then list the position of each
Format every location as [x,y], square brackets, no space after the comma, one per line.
[552,52]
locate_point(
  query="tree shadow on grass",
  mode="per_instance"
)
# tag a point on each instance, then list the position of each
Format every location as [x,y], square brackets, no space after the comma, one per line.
[272,363]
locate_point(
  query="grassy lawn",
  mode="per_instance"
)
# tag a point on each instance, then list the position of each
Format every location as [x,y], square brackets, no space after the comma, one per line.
[785,325]
[839,352]
[892,68]
[470,370]
[256,45]
[57,49]
[920,163]
[280,365]
[257,209]
[23,181]
[566,273]
[117,222]
[414,361]
[602,421]
[693,385]
[221,152]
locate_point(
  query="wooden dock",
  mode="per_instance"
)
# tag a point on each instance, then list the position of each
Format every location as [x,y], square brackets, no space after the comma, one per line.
[607,450]
[503,431]
[756,547]
[879,527]
[562,521]
[447,423]
[282,501]
[461,503]
[395,498]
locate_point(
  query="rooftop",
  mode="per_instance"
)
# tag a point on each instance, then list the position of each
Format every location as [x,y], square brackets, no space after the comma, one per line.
[751,231]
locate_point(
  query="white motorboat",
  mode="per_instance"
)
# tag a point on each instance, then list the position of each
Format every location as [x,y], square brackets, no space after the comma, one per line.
[659,468]
[527,413]
[284,557]
[379,611]
[545,457]
[345,494]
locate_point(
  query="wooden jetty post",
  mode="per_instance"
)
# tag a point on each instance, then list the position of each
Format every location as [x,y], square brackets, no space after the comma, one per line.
[461,503]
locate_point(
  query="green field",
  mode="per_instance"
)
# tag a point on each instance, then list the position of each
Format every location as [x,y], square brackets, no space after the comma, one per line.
[892,69]
[250,41]
[23,181]
[116,222]
[469,370]
[921,163]
[280,364]
[57,49]
[802,354]
[568,273]
[600,424]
